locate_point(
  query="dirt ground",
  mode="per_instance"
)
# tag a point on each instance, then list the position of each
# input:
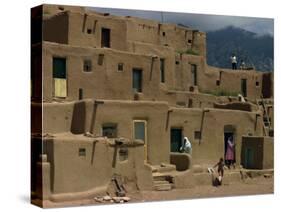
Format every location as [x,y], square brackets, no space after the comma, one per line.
[259,185]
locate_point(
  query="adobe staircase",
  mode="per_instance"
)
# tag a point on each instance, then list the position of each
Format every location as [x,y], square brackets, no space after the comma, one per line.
[163,177]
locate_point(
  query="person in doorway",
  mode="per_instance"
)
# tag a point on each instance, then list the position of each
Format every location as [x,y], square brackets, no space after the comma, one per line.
[229,155]
[186,147]
[233,62]
[220,166]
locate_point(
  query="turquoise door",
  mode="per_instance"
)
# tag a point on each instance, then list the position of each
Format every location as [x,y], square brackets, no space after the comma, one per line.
[176,140]
[249,158]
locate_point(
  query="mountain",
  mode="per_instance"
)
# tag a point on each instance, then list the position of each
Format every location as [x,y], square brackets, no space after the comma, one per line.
[256,51]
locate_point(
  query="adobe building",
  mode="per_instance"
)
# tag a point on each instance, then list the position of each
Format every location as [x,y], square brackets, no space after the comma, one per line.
[114,96]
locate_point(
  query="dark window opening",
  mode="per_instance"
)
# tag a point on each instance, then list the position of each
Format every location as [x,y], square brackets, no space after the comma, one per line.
[82,152]
[87,66]
[89,31]
[109,130]
[120,66]
[197,135]
[80,93]
[189,41]
[164,33]
[59,68]
[105,37]
[194,74]
[244,87]
[177,62]
[218,82]
[100,59]
[162,69]
[123,154]
[257,83]
[137,80]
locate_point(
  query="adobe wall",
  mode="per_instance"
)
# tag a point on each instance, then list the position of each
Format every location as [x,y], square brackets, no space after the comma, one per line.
[52,9]
[211,146]
[63,117]
[230,80]
[72,172]
[79,24]
[104,81]
[125,29]
[268,153]
[56,28]
[124,112]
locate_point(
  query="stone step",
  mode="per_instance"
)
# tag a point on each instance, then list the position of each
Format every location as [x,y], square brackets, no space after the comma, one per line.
[163,187]
[160,182]
[163,168]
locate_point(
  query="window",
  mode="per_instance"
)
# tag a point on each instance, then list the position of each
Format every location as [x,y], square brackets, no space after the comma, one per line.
[89,31]
[218,82]
[194,74]
[82,152]
[120,66]
[59,77]
[109,130]
[162,69]
[137,80]
[164,33]
[105,37]
[189,41]
[177,62]
[257,83]
[139,130]
[197,135]
[100,59]
[87,66]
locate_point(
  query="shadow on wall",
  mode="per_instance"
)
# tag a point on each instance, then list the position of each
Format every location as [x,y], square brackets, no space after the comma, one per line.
[78,118]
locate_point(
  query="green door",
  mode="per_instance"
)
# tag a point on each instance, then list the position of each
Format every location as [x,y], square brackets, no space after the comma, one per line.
[249,158]
[176,140]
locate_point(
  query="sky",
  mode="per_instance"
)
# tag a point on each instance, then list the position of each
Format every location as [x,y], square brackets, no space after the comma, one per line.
[260,26]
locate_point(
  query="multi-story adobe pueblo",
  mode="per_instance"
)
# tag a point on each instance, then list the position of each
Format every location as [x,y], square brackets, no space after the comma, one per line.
[114,96]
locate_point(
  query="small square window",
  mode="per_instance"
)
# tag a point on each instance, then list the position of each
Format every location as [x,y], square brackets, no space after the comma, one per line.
[177,62]
[82,152]
[89,31]
[120,66]
[257,83]
[87,66]
[189,41]
[109,130]
[197,135]
[218,82]
[164,33]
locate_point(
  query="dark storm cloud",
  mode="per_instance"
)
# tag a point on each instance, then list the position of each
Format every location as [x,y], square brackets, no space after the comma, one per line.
[199,21]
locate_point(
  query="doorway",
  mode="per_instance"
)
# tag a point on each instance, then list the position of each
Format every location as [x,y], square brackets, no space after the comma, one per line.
[176,139]
[244,87]
[105,37]
[229,135]
[59,77]
[140,133]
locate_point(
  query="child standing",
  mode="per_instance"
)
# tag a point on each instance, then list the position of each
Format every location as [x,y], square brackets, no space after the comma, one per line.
[220,166]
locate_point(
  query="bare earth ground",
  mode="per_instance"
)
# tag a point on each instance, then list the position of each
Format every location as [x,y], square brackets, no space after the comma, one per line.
[259,185]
